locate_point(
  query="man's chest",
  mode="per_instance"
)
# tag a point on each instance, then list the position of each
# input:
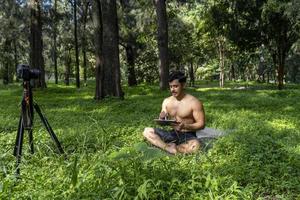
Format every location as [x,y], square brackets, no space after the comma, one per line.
[180,109]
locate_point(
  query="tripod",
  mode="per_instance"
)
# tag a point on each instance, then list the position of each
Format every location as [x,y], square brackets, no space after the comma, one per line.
[26,123]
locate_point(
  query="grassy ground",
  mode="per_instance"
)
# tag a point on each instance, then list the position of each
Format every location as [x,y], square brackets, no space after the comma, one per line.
[106,157]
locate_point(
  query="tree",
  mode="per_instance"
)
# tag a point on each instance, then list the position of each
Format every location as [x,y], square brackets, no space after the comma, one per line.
[98,34]
[77,72]
[217,25]
[107,50]
[36,42]
[280,30]
[84,16]
[162,41]
[54,17]
[271,22]
[129,40]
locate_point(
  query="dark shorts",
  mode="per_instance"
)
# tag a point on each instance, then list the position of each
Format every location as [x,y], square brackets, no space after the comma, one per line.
[176,137]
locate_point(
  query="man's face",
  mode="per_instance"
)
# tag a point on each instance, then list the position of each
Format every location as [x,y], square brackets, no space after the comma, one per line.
[176,88]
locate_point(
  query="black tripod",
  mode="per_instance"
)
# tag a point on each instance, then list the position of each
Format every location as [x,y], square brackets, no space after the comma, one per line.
[26,123]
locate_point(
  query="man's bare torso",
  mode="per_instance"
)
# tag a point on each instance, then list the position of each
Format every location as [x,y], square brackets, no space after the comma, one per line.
[181,110]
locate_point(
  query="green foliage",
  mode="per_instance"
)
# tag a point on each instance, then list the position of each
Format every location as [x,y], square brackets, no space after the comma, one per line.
[108,159]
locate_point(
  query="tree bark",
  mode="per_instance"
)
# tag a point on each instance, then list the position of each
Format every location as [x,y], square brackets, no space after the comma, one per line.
[84,41]
[281,60]
[130,61]
[15,56]
[98,34]
[36,42]
[55,42]
[68,61]
[130,40]
[162,40]
[232,73]
[76,46]
[222,60]
[192,74]
[110,49]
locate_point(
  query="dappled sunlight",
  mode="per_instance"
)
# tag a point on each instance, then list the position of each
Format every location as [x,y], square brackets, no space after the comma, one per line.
[281,124]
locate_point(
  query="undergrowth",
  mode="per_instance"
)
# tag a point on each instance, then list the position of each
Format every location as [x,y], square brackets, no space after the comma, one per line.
[107,158]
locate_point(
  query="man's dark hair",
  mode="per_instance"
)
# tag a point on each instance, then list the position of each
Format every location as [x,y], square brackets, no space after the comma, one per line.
[177,75]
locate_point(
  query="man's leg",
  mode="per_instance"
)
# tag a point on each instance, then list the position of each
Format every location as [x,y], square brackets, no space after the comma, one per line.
[190,146]
[154,139]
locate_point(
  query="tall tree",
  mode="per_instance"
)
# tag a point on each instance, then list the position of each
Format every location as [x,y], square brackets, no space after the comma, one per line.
[162,41]
[55,33]
[84,16]
[281,30]
[77,72]
[129,36]
[36,42]
[98,34]
[108,76]
[110,49]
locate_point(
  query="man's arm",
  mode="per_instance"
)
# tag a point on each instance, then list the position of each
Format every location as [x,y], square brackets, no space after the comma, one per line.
[163,113]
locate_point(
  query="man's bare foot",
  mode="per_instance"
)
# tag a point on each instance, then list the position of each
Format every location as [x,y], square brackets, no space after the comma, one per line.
[171,148]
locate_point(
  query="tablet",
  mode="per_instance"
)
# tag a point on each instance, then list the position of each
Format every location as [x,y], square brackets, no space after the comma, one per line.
[165,122]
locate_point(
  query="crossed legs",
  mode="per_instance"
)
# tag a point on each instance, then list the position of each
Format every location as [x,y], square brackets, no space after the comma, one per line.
[190,146]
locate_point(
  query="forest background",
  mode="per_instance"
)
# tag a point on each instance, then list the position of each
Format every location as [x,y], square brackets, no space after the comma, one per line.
[103,63]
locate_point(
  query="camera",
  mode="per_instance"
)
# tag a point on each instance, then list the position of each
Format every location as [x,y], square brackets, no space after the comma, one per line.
[24,72]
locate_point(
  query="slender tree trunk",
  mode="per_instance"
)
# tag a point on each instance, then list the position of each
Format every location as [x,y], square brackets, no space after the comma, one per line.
[55,42]
[162,40]
[98,34]
[232,72]
[192,75]
[16,62]
[68,61]
[36,42]
[130,42]
[281,62]
[222,60]
[84,41]
[77,72]
[130,61]
[6,62]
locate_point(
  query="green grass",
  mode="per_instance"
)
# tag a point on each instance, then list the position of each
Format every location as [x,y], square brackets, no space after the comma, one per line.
[107,158]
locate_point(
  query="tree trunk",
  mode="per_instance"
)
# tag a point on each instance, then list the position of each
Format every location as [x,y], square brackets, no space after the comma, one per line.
[76,46]
[36,42]
[222,60]
[6,60]
[110,49]
[55,42]
[130,40]
[84,41]
[130,61]
[68,61]
[281,61]
[192,75]
[162,40]
[98,34]
[15,56]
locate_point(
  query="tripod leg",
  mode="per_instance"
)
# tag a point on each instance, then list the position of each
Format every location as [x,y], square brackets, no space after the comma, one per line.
[18,145]
[31,141]
[48,127]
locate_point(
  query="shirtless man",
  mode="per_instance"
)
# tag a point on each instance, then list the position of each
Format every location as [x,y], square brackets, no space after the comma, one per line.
[187,110]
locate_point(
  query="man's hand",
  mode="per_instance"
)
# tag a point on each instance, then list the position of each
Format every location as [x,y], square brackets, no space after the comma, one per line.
[163,115]
[179,126]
